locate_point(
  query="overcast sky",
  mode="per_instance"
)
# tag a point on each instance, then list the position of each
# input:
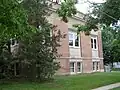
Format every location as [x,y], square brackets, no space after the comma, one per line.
[83,5]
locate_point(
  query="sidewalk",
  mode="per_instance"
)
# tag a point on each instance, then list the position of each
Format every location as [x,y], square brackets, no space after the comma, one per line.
[108,87]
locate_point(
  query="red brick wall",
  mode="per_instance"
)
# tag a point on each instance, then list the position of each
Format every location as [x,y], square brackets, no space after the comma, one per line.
[86,52]
[100,50]
[63,50]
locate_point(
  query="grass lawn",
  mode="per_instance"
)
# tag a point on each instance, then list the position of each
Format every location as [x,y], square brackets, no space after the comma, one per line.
[75,82]
[116,88]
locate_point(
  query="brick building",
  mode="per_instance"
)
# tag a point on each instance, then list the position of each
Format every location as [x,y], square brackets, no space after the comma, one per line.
[80,53]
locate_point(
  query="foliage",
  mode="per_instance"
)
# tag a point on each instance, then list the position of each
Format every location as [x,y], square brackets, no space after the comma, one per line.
[111,45]
[107,12]
[36,53]
[89,25]
[107,39]
[39,52]
[13,24]
[67,9]
[13,20]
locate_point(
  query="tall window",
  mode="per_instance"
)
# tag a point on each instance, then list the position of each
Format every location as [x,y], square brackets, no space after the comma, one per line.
[91,42]
[93,66]
[72,66]
[97,66]
[78,67]
[74,40]
[94,43]
[70,39]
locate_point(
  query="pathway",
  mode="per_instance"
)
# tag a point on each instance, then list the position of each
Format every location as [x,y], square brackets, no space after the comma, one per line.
[108,87]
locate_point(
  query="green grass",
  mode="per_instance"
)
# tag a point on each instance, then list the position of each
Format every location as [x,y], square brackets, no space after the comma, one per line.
[75,82]
[116,88]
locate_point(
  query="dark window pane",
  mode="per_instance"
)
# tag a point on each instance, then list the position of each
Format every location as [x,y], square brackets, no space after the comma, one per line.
[93,65]
[91,43]
[95,45]
[79,66]
[97,66]
[17,41]
[70,39]
[76,40]
[72,67]
[70,42]
[13,42]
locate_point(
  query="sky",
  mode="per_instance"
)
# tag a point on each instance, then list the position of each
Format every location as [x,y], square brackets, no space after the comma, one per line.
[83,5]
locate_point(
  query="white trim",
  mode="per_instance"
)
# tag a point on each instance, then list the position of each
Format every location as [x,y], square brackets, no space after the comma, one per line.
[95,60]
[94,32]
[95,38]
[80,58]
[74,60]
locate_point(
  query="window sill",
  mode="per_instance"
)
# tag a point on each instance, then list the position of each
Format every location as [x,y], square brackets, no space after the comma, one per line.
[72,73]
[94,71]
[94,49]
[79,72]
[73,47]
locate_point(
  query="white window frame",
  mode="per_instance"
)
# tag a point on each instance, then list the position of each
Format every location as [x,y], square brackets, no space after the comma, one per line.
[74,35]
[72,68]
[94,38]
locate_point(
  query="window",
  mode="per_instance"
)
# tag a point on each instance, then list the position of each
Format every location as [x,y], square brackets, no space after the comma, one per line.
[78,67]
[76,40]
[97,66]
[70,39]
[91,42]
[73,40]
[93,65]
[17,41]
[12,42]
[72,67]
[15,68]
[94,43]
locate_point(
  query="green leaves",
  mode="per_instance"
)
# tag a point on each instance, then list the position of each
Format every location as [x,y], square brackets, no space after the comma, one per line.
[111,45]
[108,12]
[13,20]
[66,10]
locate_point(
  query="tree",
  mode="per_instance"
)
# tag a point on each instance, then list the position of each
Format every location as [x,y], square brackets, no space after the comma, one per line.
[13,24]
[13,20]
[39,52]
[107,38]
[110,45]
[107,14]
[67,9]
